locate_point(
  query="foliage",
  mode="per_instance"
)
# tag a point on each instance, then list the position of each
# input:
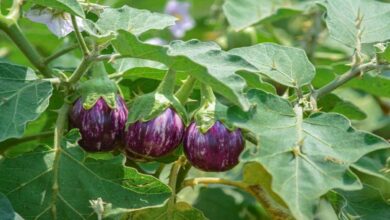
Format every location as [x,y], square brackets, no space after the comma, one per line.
[307,83]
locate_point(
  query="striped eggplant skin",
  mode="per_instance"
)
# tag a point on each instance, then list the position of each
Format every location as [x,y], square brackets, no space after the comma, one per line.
[101,127]
[216,150]
[157,137]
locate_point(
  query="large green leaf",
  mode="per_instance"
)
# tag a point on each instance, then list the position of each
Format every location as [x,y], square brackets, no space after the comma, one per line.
[32,179]
[6,210]
[373,84]
[286,65]
[23,97]
[333,103]
[308,157]
[181,211]
[227,204]
[135,21]
[342,20]
[244,13]
[204,60]
[70,6]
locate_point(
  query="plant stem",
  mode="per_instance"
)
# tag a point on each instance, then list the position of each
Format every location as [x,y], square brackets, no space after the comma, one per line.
[11,28]
[158,171]
[172,183]
[81,69]
[185,90]
[58,133]
[60,53]
[184,169]
[344,78]
[167,85]
[274,210]
[79,37]
[15,10]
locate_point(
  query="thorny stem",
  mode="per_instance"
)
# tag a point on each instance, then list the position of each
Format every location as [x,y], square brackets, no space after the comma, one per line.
[185,90]
[344,78]
[79,37]
[60,53]
[58,133]
[167,85]
[276,211]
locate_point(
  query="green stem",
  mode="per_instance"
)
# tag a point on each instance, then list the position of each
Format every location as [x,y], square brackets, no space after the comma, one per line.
[207,94]
[275,210]
[11,28]
[81,69]
[79,37]
[344,78]
[167,85]
[58,134]
[14,12]
[60,53]
[184,169]
[172,183]
[185,90]
[158,171]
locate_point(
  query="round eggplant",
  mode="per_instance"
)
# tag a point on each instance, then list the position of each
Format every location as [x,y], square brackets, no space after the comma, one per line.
[101,127]
[157,137]
[216,150]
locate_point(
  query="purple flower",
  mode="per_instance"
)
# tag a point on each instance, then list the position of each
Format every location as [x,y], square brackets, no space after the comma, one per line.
[101,127]
[216,150]
[181,11]
[59,24]
[157,137]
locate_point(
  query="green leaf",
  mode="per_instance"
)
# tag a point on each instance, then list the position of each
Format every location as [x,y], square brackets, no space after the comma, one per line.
[255,174]
[286,65]
[181,211]
[342,20]
[244,13]
[70,6]
[365,204]
[325,211]
[232,204]
[30,179]
[333,103]
[373,84]
[204,60]
[132,20]
[6,210]
[23,97]
[317,150]
[135,21]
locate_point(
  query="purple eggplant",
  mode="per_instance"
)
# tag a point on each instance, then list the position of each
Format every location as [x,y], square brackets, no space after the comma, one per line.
[157,137]
[101,127]
[216,150]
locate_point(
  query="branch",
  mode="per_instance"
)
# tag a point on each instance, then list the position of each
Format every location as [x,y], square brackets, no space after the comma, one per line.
[80,39]
[81,69]
[15,10]
[11,28]
[185,90]
[59,53]
[172,183]
[344,78]
[276,211]
[58,133]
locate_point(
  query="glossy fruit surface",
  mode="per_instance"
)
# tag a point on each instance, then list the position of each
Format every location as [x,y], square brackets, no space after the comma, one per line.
[157,137]
[216,150]
[101,127]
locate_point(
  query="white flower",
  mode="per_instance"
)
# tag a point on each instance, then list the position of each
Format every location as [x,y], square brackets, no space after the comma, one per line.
[59,24]
[156,41]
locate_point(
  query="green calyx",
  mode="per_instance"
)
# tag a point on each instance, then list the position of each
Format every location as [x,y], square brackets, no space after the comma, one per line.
[210,111]
[100,86]
[147,107]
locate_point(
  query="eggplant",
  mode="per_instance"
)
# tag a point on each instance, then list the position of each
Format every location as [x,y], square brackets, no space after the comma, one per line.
[157,137]
[101,126]
[216,150]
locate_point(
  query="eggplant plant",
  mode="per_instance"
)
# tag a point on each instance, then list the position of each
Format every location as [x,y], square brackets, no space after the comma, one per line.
[178,109]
